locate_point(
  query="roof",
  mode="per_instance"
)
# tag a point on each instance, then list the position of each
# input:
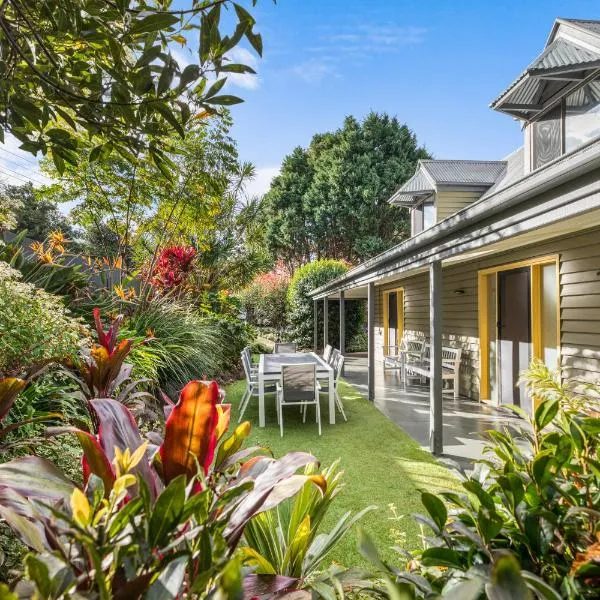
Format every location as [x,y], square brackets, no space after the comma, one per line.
[432,173]
[468,172]
[515,169]
[563,61]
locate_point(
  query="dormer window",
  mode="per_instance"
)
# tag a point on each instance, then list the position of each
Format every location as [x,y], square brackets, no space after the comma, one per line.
[423,217]
[582,116]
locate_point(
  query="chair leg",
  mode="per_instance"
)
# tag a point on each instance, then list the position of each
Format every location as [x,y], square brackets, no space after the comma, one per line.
[319,416]
[303,409]
[456,388]
[244,402]
[281,420]
[340,405]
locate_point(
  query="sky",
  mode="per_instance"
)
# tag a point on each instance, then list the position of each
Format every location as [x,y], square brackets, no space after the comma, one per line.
[435,64]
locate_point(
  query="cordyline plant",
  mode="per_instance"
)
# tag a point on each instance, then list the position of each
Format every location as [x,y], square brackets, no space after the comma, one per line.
[103,372]
[151,522]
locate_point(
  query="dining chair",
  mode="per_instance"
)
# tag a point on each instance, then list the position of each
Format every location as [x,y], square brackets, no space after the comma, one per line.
[327,353]
[334,356]
[338,367]
[251,384]
[298,386]
[285,347]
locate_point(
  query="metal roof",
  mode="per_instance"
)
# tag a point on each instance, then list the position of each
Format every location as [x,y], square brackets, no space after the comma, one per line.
[562,56]
[589,24]
[417,187]
[465,172]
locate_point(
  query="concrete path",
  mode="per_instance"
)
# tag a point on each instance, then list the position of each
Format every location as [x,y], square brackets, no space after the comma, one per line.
[465,421]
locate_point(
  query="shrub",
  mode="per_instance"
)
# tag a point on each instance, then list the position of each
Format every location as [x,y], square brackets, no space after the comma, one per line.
[186,344]
[160,524]
[301,306]
[35,326]
[265,301]
[527,523]
[172,268]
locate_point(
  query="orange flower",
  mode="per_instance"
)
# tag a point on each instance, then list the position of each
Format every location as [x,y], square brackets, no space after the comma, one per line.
[120,292]
[37,247]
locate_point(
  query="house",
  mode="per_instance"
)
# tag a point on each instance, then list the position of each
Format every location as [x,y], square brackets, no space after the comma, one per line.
[504,257]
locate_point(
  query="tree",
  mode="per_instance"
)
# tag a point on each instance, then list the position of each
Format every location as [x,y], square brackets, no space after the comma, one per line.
[108,70]
[301,305]
[331,200]
[38,217]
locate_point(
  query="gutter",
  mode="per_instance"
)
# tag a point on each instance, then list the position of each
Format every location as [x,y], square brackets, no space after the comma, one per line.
[559,171]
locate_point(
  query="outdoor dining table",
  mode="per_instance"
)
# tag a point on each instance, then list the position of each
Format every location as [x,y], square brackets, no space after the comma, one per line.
[269,369]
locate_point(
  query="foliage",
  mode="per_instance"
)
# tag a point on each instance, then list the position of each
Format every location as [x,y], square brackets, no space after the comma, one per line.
[9,206]
[35,326]
[301,305]
[288,540]
[106,72]
[37,217]
[130,211]
[172,268]
[47,264]
[265,300]
[527,522]
[135,530]
[185,344]
[331,200]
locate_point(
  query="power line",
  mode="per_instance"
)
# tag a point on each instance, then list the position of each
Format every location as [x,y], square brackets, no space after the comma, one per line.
[31,162]
[22,176]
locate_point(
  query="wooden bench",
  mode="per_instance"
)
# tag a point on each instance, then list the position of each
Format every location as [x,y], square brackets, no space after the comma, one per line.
[421,368]
[395,356]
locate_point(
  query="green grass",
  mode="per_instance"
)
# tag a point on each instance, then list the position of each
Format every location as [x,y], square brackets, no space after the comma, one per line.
[383,466]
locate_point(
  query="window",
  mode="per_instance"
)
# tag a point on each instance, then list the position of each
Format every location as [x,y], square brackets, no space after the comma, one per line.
[428,215]
[423,217]
[547,139]
[582,116]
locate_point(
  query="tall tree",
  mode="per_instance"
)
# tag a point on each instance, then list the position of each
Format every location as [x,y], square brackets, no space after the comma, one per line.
[332,200]
[107,69]
[38,217]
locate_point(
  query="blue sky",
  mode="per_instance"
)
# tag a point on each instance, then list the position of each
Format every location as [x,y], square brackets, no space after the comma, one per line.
[436,64]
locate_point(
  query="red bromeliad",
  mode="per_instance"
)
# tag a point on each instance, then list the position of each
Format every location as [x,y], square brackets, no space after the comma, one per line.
[172,267]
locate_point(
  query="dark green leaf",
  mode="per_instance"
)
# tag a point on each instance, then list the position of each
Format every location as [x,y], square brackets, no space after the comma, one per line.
[167,512]
[225,100]
[154,22]
[545,413]
[441,557]
[436,508]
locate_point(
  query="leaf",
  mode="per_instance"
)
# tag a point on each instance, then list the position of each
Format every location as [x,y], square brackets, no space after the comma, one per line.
[225,100]
[233,443]
[507,582]
[467,590]
[189,74]
[35,477]
[167,512]
[31,533]
[267,586]
[118,429]
[441,557]
[10,388]
[169,583]
[542,590]
[158,21]
[436,508]
[169,117]
[545,413]
[95,458]
[190,431]
[237,68]
[80,508]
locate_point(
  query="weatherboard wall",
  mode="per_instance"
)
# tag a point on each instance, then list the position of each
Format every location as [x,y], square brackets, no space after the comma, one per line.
[579,268]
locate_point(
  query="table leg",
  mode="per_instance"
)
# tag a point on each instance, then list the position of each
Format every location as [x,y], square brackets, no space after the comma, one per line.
[331,399]
[261,401]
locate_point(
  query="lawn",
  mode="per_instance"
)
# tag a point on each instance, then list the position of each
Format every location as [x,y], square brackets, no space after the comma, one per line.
[383,466]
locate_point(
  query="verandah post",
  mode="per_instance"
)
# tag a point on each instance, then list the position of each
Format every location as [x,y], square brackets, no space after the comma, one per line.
[342,323]
[436,439]
[325,321]
[371,339]
[316,325]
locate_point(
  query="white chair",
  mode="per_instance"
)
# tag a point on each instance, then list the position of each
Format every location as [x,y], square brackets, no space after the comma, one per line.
[248,355]
[394,356]
[421,369]
[285,347]
[327,353]
[251,384]
[334,356]
[338,366]
[298,386]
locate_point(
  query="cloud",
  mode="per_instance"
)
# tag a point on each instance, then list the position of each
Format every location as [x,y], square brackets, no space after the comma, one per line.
[358,41]
[18,167]
[243,80]
[315,70]
[262,181]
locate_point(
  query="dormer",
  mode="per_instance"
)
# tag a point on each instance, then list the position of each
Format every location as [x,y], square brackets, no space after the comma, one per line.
[558,96]
[439,188]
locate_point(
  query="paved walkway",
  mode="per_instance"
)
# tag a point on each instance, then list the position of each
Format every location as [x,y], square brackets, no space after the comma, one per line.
[465,421]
